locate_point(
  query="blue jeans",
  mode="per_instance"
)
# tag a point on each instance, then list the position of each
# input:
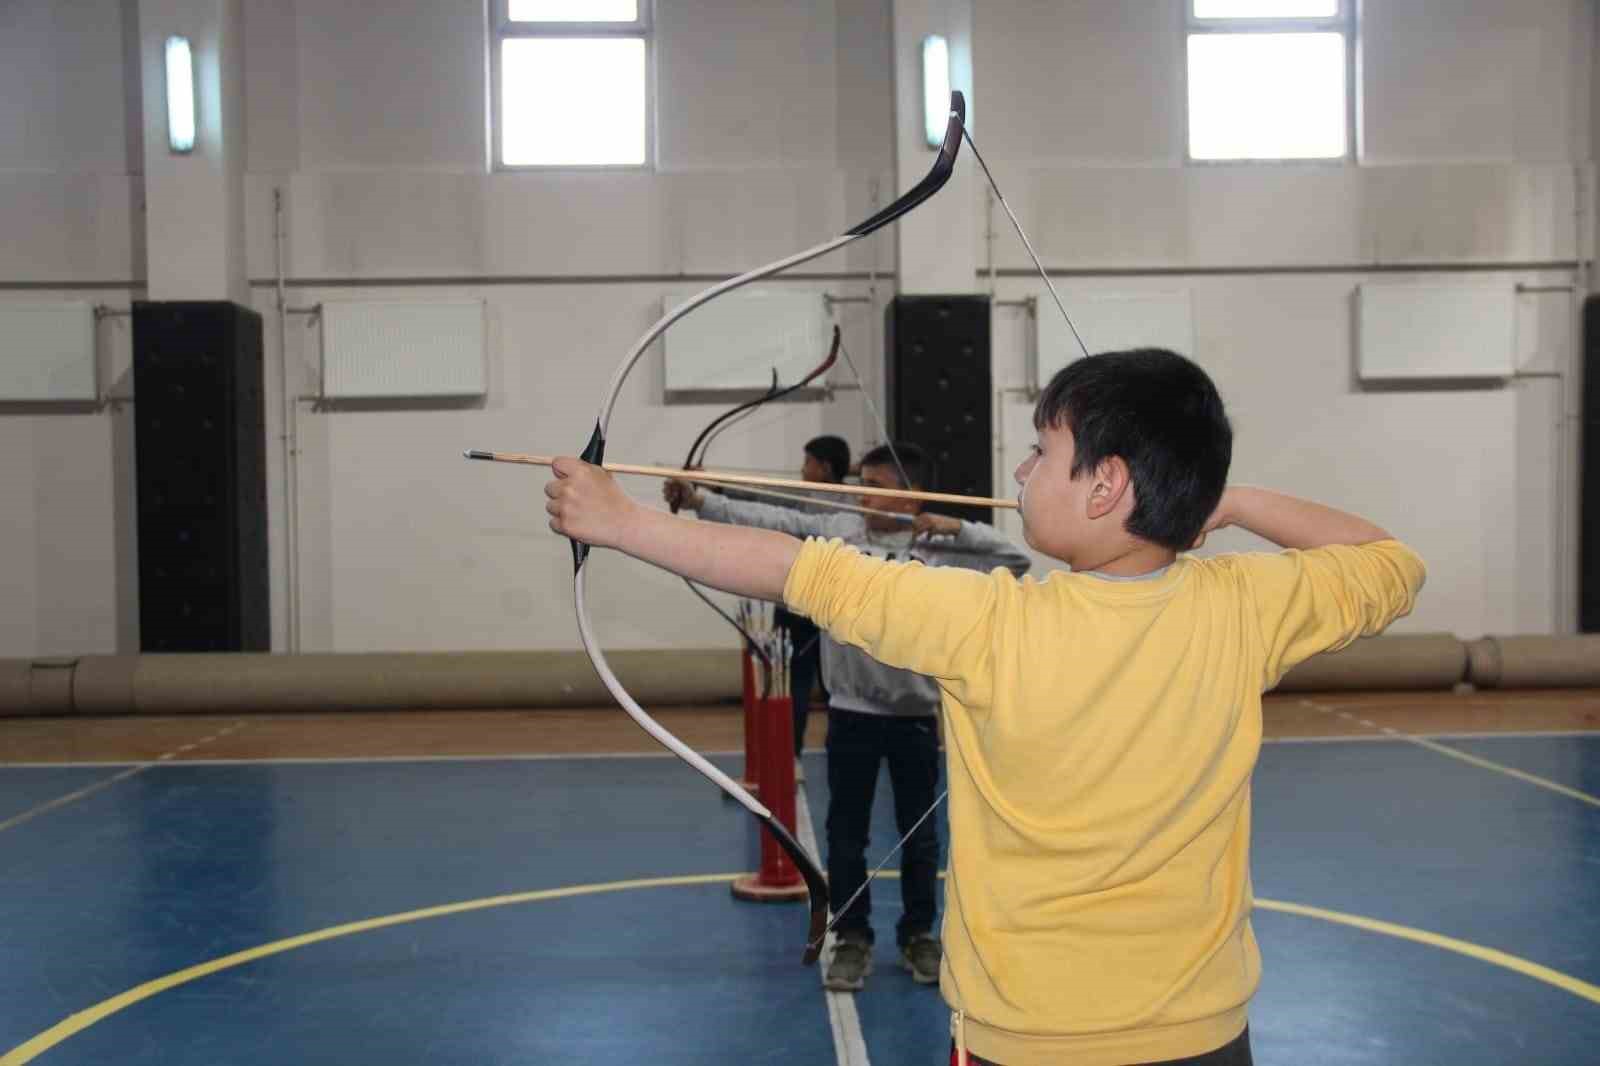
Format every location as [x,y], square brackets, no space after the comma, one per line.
[857,743]
[805,666]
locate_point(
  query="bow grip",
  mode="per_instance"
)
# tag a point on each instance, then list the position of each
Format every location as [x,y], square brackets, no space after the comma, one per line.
[595,453]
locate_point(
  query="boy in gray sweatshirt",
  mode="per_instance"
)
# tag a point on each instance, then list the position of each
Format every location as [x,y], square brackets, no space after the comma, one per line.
[877,713]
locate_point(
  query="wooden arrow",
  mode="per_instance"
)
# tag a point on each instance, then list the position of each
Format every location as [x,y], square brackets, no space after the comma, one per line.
[714,477]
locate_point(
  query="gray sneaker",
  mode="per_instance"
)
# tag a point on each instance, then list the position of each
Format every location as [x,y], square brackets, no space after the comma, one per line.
[850,965]
[921,956]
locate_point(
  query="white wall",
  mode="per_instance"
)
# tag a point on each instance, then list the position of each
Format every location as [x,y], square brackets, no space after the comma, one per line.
[775,130]
[1464,179]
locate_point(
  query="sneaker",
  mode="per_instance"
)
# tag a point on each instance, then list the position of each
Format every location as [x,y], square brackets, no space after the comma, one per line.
[921,956]
[850,965]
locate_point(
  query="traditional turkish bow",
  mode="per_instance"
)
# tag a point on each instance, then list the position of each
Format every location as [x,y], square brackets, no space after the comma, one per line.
[594,452]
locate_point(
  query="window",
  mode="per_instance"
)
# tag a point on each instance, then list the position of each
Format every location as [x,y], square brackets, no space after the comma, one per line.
[1271,79]
[570,83]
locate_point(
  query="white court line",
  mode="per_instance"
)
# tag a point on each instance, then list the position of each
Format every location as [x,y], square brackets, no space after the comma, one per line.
[849,1046]
[1471,760]
[98,786]
[315,760]
[1378,739]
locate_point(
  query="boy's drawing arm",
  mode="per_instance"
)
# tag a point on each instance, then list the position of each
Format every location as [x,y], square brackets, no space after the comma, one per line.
[1290,522]
[1343,578]
[990,548]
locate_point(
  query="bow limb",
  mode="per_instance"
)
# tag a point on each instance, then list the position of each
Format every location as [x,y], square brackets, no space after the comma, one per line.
[594,452]
[1045,277]
[702,443]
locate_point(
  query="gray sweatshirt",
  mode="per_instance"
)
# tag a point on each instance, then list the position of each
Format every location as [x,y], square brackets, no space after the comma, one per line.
[854,680]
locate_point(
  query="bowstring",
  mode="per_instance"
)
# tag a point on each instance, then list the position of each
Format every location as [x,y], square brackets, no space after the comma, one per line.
[1054,295]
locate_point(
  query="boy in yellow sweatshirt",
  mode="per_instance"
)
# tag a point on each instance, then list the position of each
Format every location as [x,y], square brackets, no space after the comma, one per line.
[1101,725]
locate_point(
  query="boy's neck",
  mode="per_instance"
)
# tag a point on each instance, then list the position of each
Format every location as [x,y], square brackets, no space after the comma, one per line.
[1134,560]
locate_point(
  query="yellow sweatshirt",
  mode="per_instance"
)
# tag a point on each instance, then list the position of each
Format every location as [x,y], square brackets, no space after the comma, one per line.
[1100,737]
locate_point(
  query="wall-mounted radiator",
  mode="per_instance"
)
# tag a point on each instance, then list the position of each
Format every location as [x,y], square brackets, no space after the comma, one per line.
[391,349]
[1417,332]
[47,353]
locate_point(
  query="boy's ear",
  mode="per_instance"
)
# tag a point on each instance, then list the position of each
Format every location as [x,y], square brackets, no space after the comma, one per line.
[1112,481]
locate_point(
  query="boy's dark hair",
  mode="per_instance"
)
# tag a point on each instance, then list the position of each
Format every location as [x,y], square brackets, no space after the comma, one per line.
[912,459]
[831,452]
[1161,413]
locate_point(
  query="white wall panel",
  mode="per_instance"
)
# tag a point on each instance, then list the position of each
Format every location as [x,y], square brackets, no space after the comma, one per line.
[1110,321]
[47,352]
[741,340]
[1412,332]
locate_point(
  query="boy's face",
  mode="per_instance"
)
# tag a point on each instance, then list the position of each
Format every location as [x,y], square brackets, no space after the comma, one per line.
[1055,506]
[814,469]
[886,477]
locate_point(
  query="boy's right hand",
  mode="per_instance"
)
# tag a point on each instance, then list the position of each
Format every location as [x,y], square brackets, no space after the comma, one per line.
[679,493]
[586,504]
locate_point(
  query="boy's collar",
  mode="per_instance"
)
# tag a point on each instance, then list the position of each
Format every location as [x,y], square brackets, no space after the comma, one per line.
[1148,576]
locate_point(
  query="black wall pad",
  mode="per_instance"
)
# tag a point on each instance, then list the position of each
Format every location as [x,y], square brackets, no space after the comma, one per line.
[1589,474]
[200,454]
[940,391]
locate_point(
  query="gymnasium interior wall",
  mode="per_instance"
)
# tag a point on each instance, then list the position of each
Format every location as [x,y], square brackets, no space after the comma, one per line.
[776,129]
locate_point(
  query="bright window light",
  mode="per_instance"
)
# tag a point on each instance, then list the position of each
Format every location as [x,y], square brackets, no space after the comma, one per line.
[573,10]
[180,95]
[1267,96]
[572,101]
[1265,9]
[935,89]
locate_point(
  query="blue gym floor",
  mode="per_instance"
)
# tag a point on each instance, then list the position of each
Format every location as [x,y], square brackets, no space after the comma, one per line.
[1489,884]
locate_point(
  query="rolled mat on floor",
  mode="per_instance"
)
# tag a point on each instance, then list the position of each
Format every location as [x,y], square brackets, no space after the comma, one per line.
[1535,662]
[229,682]
[259,683]
[1425,661]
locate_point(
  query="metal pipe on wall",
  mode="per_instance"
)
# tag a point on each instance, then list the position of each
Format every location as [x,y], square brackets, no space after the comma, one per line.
[291,445]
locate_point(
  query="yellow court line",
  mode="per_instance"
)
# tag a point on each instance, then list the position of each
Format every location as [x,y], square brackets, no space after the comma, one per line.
[1509,771]
[1455,753]
[80,1021]
[77,1023]
[1493,956]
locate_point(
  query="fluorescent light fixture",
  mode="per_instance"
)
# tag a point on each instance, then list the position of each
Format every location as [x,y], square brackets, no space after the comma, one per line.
[180,95]
[935,88]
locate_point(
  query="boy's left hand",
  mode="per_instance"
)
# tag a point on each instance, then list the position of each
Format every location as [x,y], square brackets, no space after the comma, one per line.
[586,503]
[934,525]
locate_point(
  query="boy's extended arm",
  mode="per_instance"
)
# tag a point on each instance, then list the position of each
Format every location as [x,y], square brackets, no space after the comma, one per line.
[788,520]
[586,503]
[1290,522]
